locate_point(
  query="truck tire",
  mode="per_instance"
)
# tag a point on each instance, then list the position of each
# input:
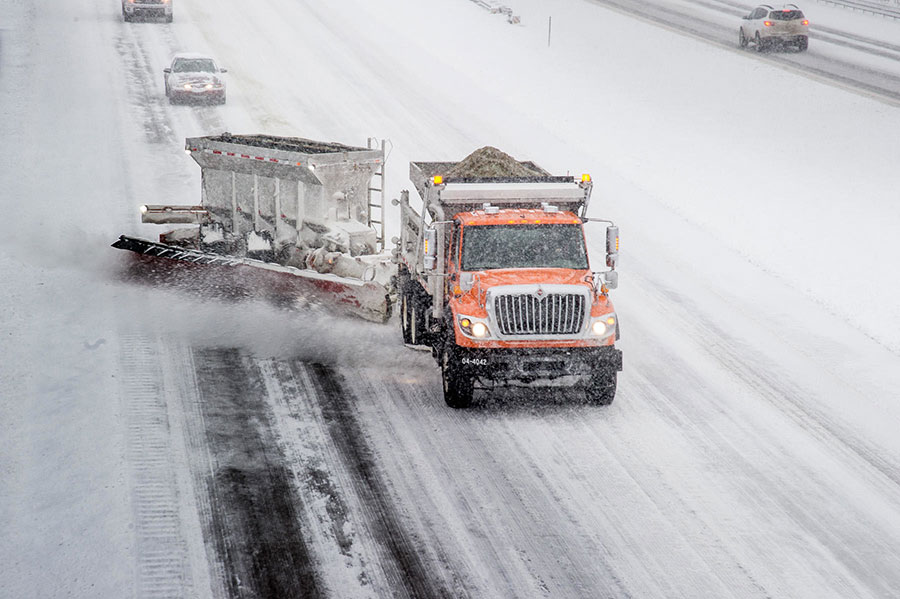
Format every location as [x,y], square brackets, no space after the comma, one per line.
[414,306]
[404,316]
[458,388]
[417,332]
[401,284]
[601,388]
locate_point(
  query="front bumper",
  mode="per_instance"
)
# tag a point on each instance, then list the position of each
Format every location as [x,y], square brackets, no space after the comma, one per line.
[529,364]
[198,95]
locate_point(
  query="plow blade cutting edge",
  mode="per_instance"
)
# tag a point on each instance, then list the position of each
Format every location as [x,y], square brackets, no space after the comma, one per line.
[366,299]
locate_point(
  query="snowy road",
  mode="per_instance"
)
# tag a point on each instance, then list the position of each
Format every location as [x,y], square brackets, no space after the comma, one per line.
[859,62]
[158,443]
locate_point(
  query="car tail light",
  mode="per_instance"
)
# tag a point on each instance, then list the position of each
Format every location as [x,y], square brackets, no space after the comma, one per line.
[805,22]
[768,23]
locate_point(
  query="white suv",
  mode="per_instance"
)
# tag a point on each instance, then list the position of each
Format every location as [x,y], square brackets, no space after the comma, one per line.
[769,27]
[133,8]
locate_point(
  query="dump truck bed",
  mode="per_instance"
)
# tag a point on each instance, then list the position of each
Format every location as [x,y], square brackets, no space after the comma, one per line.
[287,144]
[464,192]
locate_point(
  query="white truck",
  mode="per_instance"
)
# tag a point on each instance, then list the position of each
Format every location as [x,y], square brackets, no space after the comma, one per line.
[300,215]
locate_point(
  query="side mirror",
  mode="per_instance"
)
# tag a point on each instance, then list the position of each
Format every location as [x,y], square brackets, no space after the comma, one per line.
[612,246]
[223,70]
[167,70]
[430,248]
[611,279]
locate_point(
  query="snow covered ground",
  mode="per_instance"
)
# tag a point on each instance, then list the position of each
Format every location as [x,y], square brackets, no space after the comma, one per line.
[752,449]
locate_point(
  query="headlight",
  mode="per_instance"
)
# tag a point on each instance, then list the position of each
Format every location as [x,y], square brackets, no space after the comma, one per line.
[187,86]
[209,86]
[473,327]
[604,326]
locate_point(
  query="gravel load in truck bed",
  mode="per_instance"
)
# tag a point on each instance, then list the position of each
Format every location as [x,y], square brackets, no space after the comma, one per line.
[288,144]
[491,162]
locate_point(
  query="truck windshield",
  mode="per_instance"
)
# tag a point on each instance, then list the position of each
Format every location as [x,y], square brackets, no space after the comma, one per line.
[486,247]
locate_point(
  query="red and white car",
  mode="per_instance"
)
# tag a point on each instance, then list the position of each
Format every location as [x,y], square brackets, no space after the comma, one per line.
[768,27]
[194,78]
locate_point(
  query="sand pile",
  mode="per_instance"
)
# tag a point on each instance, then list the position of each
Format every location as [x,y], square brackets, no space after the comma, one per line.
[491,162]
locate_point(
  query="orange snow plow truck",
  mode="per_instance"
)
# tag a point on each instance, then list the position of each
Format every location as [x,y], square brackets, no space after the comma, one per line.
[493,275]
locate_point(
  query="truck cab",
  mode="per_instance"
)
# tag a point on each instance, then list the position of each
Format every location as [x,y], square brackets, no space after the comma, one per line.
[498,282]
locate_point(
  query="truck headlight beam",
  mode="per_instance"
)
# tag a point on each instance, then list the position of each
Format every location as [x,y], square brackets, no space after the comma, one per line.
[604,326]
[473,328]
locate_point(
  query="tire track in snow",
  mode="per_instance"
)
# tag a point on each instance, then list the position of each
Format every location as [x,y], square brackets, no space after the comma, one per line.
[145,101]
[256,529]
[404,567]
[784,494]
[491,512]
[764,376]
[163,570]
[339,550]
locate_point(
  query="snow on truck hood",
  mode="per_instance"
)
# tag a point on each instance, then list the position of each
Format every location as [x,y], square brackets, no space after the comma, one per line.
[532,276]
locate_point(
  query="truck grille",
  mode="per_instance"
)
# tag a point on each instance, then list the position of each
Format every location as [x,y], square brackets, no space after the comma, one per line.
[554,314]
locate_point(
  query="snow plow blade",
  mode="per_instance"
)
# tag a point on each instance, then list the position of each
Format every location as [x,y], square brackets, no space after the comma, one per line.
[366,299]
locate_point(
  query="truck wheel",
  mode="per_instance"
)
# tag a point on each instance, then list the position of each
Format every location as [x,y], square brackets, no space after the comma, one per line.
[413,316]
[601,389]
[402,285]
[418,335]
[458,388]
[404,317]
